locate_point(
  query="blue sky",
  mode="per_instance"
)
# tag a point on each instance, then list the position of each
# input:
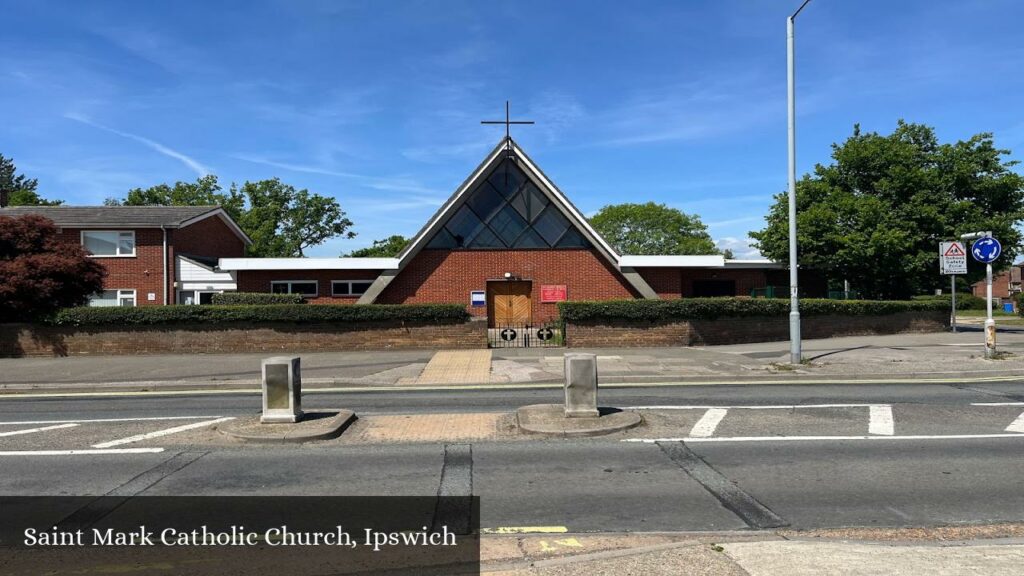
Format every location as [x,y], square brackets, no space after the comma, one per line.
[378,103]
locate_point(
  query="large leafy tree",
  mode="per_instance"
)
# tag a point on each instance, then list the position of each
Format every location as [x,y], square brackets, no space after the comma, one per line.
[40,272]
[18,189]
[281,220]
[876,214]
[652,229]
[386,248]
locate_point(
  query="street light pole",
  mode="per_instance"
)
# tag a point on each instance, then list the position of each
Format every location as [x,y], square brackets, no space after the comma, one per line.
[990,323]
[795,355]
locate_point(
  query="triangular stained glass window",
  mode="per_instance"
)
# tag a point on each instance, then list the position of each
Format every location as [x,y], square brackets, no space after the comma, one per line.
[507,211]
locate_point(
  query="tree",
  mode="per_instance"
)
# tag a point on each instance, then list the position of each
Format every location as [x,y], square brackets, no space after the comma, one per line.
[281,220]
[387,248]
[652,229]
[876,214]
[17,190]
[727,254]
[205,191]
[40,272]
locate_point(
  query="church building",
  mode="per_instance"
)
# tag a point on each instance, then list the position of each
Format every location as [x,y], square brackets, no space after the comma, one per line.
[509,245]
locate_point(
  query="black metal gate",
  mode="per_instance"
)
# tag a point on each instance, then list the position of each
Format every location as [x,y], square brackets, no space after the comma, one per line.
[548,335]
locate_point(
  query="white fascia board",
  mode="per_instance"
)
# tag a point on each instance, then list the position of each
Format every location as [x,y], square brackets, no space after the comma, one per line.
[759,263]
[712,261]
[308,263]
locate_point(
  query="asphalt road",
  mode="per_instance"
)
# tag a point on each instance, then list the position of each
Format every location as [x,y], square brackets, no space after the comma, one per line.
[752,480]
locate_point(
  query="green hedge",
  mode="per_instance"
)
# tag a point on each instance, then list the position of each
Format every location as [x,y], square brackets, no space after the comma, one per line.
[709,308]
[290,313]
[964,301]
[256,299]
[1019,299]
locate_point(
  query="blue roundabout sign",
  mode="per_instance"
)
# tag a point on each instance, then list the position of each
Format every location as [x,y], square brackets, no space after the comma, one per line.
[986,250]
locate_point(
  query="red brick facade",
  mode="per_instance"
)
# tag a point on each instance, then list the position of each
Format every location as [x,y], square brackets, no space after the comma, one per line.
[442,276]
[260,281]
[144,272]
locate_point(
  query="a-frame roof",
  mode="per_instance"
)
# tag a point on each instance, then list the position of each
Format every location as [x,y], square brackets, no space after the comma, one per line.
[506,148]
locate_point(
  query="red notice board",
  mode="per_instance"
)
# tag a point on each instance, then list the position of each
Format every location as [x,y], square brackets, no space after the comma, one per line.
[553,293]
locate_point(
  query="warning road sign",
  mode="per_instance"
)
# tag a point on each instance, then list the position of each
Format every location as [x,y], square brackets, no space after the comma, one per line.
[952,258]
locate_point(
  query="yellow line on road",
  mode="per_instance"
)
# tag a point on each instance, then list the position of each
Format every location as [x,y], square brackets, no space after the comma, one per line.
[525,530]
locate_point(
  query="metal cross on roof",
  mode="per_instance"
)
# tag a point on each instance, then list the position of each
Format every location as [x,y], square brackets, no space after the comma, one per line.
[508,122]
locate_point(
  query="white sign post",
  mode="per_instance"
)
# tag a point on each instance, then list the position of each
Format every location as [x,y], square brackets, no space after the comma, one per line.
[986,250]
[952,261]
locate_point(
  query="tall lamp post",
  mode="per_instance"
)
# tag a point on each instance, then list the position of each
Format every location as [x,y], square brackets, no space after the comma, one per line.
[794,291]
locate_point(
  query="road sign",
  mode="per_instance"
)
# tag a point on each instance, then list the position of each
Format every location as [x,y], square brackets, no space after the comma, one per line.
[952,258]
[986,249]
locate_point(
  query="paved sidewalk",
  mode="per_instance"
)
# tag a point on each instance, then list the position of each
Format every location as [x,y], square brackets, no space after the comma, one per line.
[865,552]
[861,358]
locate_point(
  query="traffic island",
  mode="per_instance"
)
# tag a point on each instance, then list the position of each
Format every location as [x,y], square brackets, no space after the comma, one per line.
[314,425]
[580,415]
[550,419]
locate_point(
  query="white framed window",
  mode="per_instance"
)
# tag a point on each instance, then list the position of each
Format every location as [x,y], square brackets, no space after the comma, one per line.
[113,298]
[304,287]
[109,243]
[350,287]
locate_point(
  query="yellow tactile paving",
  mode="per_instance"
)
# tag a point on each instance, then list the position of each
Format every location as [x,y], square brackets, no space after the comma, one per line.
[457,367]
[428,428]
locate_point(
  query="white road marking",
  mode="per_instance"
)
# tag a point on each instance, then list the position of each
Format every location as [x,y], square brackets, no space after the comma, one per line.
[80,452]
[997,403]
[775,407]
[159,433]
[821,438]
[153,418]
[707,424]
[880,420]
[1017,425]
[31,430]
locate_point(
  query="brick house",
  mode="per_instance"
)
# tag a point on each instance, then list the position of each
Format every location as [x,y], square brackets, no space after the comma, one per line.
[153,254]
[509,245]
[1005,284]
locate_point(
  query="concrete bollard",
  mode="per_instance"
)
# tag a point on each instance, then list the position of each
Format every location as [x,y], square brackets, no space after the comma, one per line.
[282,390]
[581,386]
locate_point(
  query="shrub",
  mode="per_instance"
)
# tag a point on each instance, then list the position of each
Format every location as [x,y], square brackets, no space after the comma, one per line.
[39,272]
[1019,299]
[256,299]
[964,301]
[282,313]
[710,308]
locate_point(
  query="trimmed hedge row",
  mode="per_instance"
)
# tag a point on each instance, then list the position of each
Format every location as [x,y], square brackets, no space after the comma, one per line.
[710,308]
[964,301]
[1019,298]
[256,299]
[286,313]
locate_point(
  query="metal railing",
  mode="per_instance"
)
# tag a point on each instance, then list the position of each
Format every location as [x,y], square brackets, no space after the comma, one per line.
[526,335]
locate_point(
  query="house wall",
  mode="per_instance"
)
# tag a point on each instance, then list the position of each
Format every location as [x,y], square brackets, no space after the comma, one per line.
[142,272]
[209,237]
[443,276]
[1002,285]
[259,281]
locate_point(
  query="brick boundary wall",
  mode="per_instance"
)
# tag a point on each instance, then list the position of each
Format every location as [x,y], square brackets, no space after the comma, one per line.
[745,330]
[20,340]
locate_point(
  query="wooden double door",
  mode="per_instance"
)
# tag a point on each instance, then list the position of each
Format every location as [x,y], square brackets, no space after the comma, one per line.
[508,302]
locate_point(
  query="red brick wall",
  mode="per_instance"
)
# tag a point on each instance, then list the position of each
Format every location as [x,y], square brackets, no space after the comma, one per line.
[143,272]
[19,340]
[745,330]
[259,281]
[444,276]
[208,237]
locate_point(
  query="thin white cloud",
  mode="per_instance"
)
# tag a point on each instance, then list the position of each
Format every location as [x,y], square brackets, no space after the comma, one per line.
[426,195]
[188,161]
[741,248]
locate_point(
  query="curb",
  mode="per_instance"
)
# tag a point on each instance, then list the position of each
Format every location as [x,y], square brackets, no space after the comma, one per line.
[282,433]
